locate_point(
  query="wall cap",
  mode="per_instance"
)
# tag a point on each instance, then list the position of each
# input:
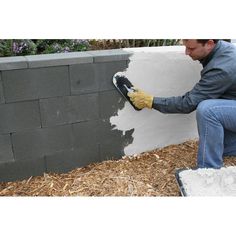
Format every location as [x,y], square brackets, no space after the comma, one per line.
[60,59]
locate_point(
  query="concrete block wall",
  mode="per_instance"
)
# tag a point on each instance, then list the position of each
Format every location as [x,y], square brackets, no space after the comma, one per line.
[61,111]
[55,112]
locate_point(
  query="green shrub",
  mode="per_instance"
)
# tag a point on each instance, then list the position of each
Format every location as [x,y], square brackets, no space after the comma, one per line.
[22,47]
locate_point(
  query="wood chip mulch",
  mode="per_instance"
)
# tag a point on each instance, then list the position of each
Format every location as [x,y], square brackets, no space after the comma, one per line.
[147,174]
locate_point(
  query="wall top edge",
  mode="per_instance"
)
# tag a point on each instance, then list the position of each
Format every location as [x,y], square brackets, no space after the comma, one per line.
[59,59]
[156,49]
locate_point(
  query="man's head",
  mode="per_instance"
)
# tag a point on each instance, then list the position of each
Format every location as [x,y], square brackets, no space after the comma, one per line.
[198,49]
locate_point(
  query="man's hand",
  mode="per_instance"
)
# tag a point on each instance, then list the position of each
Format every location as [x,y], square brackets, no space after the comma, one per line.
[141,99]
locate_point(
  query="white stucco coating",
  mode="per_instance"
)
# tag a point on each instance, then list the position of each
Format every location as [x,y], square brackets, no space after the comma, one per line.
[162,72]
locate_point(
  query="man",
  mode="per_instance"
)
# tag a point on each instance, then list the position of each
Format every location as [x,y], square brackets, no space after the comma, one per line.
[213,98]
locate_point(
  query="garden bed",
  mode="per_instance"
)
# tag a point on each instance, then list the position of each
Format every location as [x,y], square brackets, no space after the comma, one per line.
[148,174]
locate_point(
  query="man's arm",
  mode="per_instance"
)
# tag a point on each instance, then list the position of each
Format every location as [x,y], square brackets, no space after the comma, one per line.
[213,84]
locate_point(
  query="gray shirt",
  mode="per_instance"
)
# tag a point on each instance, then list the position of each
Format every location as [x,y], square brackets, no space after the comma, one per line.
[218,80]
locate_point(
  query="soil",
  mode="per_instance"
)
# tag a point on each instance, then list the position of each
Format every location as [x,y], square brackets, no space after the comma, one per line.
[147,174]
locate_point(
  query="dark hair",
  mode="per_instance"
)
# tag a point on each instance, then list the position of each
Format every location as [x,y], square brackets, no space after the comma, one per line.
[204,41]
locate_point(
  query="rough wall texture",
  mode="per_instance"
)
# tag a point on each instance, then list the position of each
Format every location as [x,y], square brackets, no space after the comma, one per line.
[55,112]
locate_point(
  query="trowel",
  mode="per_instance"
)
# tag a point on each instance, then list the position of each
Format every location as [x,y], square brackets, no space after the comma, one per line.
[124,86]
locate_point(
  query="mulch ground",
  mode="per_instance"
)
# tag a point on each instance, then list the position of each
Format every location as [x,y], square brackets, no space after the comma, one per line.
[147,174]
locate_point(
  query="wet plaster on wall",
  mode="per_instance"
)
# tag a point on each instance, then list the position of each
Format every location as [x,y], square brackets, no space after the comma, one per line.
[163,72]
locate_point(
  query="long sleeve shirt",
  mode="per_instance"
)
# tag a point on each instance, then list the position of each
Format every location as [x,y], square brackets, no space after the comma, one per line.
[218,80]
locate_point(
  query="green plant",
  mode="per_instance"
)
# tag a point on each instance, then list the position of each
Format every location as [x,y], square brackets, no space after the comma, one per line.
[5,48]
[46,46]
[22,47]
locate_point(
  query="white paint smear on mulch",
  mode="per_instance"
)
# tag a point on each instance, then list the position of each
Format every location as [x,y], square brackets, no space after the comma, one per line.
[209,182]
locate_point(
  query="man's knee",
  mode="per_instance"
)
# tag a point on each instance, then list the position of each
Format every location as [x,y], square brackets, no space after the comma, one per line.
[203,108]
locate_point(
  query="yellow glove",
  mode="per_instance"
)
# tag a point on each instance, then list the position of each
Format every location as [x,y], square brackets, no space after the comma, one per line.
[141,99]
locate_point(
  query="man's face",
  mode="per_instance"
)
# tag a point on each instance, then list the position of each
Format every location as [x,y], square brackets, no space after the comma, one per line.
[197,51]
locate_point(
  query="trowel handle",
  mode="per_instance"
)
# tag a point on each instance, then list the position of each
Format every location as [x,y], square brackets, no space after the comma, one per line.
[130,90]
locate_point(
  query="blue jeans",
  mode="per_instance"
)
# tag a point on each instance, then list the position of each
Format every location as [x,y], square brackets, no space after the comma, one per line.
[216,120]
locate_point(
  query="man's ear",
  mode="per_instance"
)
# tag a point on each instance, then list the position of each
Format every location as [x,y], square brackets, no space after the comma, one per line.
[210,44]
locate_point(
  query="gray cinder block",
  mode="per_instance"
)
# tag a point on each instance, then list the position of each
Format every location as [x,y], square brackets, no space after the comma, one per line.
[85,149]
[110,102]
[108,133]
[22,169]
[42,142]
[110,152]
[57,59]
[13,63]
[110,55]
[104,73]
[82,79]
[29,84]
[85,134]
[19,116]
[67,160]
[112,141]
[2,99]
[69,109]
[6,154]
